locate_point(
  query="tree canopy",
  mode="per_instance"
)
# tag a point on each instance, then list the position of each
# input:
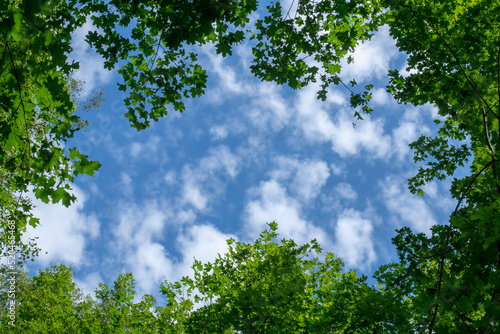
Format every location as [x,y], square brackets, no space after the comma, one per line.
[261,287]
[448,281]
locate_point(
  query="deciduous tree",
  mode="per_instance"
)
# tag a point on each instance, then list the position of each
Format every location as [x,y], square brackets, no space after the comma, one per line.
[266,286]
[450,279]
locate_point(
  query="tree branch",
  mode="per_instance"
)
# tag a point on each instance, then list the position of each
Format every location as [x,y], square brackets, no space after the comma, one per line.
[498,84]
[20,96]
[492,150]
[470,185]
[445,247]
[457,59]
[486,134]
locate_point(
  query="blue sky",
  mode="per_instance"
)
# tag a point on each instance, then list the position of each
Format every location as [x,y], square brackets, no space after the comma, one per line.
[244,154]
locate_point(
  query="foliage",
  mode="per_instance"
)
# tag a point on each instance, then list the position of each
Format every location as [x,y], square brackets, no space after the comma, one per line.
[453,53]
[259,287]
[37,113]
[449,280]
[160,68]
[324,32]
[38,98]
[453,49]
[45,303]
[50,302]
[270,287]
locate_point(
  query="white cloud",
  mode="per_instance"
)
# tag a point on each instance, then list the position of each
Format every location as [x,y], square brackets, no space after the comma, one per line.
[148,149]
[228,79]
[371,59]
[203,243]
[92,71]
[335,97]
[139,238]
[135,149]
[319,126]
[170,177]
[310,178]
[403,135]
[64,232]
[404,70]
[229,83]
[207,180]
[411,126]
[380,97]
[152,265]
[337,168]
[307,176]
[345,190]
[89,283]
[218,132]
[126,184]
[269,110]
[192,193]
[353,236]
[137,244]
[138,225]
[185,216]
[271,203]
[439,195]
[408,209]
[221,158]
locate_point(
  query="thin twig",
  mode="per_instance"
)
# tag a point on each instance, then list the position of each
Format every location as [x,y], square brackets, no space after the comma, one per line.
[290,8]
[156,54]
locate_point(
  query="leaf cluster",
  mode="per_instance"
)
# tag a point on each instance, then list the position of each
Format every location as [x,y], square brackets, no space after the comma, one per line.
[37,112]
[261,287]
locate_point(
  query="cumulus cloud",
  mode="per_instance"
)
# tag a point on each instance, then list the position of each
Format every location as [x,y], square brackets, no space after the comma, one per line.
[380,97]
[228,78]
[337,128]
[271,203]
[345,191]
[192,190]
[411,126]
[203,182]
[92,71]
[140,245]
[148,149]
[269,111]
[337,168]
[89,283]
[139,225]
[218,132]
[311,176]
[137,243]
[408,209]
[371,59]
[353,239]
[439,196]
[203,243]
[170,177]
[126,184]
[64,233]
[307,177]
